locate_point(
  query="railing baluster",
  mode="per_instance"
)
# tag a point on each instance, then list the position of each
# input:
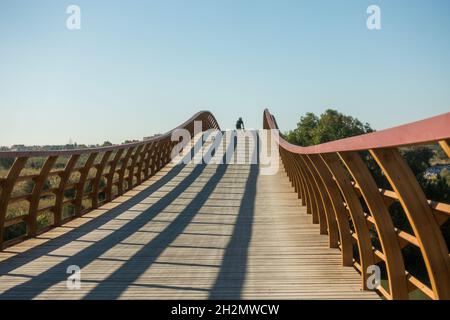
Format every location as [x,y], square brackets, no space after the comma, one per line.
[151,158]
[98,176]
[432,244]
[356,211]
[166,154]
[111,173]
[8,186]
[81,183]
[142,160]
[445,145]
[64,178]
[36,195]
[321,198]
[383,223]
[289,168]
[170,146]
[295,176]
[303,190]
[152,162]
[312,188]
[122,170]
[157,159]
[134,159]
[331,222]
[339,210]
[307,188]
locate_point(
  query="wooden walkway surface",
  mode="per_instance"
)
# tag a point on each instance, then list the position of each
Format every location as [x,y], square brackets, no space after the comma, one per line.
[189,232]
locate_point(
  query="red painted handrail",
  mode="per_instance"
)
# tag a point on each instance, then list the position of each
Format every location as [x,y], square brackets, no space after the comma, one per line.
[420,132]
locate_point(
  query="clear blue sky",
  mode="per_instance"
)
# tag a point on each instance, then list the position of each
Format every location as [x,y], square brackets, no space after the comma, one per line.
[142,67]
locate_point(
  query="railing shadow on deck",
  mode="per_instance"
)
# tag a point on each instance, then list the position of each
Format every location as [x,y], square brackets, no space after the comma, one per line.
[230,280]
[45,280]
[130,271]
[231,277]
[232,270]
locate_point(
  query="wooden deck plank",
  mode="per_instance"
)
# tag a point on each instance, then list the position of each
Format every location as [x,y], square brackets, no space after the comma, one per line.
[207,232]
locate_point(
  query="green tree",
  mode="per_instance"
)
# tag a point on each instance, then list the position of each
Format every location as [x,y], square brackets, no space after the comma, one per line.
[418,160]
[304,133]
[6,163]
[329,126]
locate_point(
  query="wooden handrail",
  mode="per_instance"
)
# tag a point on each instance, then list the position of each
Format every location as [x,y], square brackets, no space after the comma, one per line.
[335,175]
[205,116]
[127,161]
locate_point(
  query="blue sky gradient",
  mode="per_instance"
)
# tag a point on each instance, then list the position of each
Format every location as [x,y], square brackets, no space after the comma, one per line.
[142,67]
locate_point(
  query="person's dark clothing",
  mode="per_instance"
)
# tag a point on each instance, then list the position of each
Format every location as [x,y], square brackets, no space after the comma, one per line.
[240,124]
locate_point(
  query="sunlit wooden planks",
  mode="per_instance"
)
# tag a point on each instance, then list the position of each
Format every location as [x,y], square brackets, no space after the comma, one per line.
[240,235]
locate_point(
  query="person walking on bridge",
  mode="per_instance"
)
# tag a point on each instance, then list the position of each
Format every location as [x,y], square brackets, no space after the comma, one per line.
[240,124]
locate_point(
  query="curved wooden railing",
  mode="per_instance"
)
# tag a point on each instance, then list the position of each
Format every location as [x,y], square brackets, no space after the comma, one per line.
[88,178]
[335,183]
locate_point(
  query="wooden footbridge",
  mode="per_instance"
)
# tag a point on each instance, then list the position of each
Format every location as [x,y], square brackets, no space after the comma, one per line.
[137,225]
